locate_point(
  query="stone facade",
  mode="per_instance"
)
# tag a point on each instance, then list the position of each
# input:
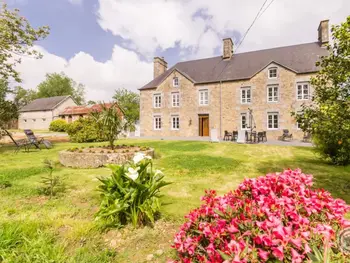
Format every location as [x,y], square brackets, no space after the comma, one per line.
[225,107]
[40,120]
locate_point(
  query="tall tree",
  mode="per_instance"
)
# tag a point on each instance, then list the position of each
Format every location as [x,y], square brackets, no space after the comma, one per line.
[8,109]
[129,102]
[328,118]
[17,38]
[60,85]
[23,96]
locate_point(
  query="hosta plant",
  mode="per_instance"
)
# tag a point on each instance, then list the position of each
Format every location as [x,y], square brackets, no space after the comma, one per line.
[274,218]
[131,193]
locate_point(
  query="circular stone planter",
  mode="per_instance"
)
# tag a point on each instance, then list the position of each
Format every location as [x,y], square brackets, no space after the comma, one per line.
[95,160]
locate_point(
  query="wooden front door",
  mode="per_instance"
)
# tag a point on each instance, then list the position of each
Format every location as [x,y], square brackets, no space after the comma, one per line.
[203,125]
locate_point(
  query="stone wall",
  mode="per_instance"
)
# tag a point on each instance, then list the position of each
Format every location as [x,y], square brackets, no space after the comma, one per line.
[231,107]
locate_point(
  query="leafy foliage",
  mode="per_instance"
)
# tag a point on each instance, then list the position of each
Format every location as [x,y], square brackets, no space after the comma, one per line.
[8,109]
[60,85]
[51,184]
[130,103]
[131,194]
[17,39]
[273,218]
[58,125]
[23,97]
[110,121]
[328,118]
[85,130]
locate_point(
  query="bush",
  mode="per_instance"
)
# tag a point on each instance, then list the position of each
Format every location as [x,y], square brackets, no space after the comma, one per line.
[58,125]
[84,130]
[131,194]
[274,218]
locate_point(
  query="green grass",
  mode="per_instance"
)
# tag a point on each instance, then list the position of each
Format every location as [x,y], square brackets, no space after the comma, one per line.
[34,228]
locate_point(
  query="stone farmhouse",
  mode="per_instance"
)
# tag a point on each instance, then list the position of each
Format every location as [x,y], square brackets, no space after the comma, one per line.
[194,98]
[38,114]
[73,113]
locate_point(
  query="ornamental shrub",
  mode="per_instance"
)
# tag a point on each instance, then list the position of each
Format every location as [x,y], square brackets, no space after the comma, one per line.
[131,193]
[273,218]
[84,130]
[58,125]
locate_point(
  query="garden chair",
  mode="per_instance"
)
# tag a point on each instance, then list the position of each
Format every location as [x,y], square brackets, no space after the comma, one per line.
[286,135]
[37,141]
[227,136]
[234,136]
[307,137]
[262,136]
[22,143]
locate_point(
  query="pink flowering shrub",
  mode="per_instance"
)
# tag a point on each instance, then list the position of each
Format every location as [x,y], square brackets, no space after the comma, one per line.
[273,218]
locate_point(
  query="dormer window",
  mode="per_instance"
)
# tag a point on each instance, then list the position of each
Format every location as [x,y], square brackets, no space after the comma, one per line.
[175,82]
[273,73]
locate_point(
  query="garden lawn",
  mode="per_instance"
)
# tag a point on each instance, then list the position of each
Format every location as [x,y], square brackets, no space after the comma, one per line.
[34,228]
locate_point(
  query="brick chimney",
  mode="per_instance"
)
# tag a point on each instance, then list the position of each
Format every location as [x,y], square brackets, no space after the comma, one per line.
[227,48]
[323,33]
[160,66]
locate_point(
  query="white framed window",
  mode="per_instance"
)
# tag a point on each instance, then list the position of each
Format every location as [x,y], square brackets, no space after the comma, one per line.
[246,95]
[157,100]
[157,122]
[175,122]
[175,99]
[244,121]
[273,73]
[176,82]
[203,97]
[272,93]
[298,123]
[303,91]
[272,120]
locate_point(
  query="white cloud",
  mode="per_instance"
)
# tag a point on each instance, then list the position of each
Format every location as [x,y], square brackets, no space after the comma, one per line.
[123,69]
[160,24]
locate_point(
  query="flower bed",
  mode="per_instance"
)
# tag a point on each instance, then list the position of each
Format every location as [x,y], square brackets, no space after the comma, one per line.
[273,218]
[98,156]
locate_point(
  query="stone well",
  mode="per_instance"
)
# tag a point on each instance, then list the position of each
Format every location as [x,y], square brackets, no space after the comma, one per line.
[95,160]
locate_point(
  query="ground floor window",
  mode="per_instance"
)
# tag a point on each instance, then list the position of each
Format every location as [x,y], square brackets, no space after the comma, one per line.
[157,122]
[299,123]
[175,122]
[244,121]
[272,120]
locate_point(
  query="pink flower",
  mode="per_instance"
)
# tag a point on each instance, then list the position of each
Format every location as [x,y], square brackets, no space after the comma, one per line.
[264,255]
[278,252]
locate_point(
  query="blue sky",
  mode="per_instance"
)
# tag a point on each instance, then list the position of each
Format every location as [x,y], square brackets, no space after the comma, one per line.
[109,44]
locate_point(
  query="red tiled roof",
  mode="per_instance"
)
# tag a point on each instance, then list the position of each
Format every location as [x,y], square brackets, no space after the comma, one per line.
[83,110]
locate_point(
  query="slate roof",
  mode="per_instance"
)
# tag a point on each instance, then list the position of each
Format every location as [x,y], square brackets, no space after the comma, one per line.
[43,104]
[298,58]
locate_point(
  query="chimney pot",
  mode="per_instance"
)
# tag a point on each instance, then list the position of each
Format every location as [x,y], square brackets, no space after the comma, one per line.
[160,66]
[323,33]
[227,48]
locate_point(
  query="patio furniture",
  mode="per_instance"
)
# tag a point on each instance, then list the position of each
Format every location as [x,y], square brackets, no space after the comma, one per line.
[37,141]
[22,143]
[227,136]
[234,136]
[307,137]
[262,136]
[286,135]
[251,136]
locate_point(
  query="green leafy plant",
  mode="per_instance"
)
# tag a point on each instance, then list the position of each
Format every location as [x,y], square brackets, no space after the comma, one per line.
[5,184]
[85,130]
[131,193]
[51,184]
[58,125]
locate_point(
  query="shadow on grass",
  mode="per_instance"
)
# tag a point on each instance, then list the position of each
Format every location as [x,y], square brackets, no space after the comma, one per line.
[335,179]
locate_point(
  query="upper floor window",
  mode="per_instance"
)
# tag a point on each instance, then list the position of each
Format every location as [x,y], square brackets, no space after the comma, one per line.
[175,99]
[246,95]
[175,82]
[203,97]
[157,122]
[175,122]
[272,94]
[272,73]
[303,91]
[157,100]
[272,120]
[244,121]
